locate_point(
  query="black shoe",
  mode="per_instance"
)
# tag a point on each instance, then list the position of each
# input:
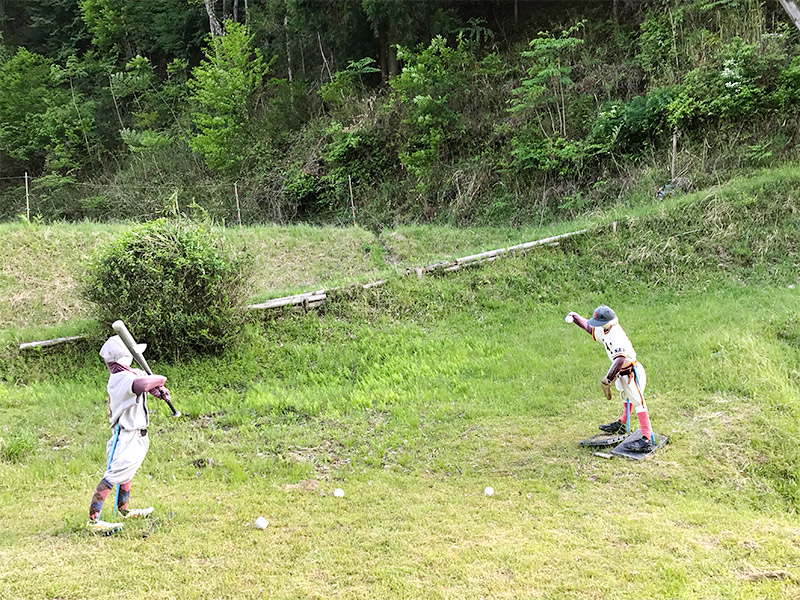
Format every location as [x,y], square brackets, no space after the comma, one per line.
[640,445]
[612,428]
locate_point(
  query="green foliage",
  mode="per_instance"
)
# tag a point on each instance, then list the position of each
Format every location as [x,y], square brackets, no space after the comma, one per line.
[631,126]
[157,28]
[177,286]
[545,90]
[303,189]
[712,92]
[353,152]
[431,89]
[549,154]
[787,95]
[541,102]
[142,141]
[222,89]
[25,95]
[45,119]
[345,83]
[487,126]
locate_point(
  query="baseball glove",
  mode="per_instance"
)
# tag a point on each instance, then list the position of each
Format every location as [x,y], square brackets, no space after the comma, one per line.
[606,385]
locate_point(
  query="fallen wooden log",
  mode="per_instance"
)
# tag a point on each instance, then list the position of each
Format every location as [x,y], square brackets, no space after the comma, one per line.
[286,300]
[53,342]
[373,284]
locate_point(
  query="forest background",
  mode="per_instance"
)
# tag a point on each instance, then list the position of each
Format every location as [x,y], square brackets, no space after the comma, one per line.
[458,112]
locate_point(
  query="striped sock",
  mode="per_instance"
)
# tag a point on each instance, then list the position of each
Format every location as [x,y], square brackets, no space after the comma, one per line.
[124,496]
[101,492]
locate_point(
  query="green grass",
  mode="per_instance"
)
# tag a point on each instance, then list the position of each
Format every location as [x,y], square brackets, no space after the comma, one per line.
[414,397]
[413,417]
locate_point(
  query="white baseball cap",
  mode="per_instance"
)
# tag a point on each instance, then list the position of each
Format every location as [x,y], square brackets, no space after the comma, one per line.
[115,350]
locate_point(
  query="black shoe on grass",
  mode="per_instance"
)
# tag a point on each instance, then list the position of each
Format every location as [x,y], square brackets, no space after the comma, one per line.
[640,445]
[612,428]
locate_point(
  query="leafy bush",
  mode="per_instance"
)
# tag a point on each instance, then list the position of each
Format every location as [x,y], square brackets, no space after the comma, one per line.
[788,90]
[177,286]
[628,126]
[345,82]
[353,152]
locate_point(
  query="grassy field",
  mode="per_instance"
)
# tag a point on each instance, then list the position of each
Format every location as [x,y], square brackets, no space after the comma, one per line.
[414,397]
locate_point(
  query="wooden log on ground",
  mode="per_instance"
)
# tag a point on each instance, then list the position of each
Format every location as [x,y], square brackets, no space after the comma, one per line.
[53,342]
[481,256]
[285,301]
[373,284]
[542,242]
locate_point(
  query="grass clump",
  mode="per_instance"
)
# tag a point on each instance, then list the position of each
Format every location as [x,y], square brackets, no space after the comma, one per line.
[175,284]
[16,447]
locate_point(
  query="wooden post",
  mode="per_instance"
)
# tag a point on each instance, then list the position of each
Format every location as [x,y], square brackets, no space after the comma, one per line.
[27,199]
[352,204]
[238,211]
[674,152]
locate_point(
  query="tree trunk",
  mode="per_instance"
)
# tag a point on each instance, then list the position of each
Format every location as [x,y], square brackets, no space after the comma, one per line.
[288,48]
[213,22]
[792,9]
[235,11]
[324,58]
[383,54]
[394,66]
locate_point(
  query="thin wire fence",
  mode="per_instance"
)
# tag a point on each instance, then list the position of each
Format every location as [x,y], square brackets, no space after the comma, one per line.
[225,203]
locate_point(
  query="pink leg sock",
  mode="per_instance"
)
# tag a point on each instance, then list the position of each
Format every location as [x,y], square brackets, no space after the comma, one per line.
[644,423]
[624,417]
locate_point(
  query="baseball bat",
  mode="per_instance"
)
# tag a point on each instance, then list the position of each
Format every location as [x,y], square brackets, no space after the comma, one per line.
[127,339]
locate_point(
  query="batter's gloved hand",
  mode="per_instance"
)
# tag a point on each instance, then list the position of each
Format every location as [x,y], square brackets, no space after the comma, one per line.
[606,385]
[161,392]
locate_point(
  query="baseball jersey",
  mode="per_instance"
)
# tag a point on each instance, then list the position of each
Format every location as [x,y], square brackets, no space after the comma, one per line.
[124,406]
[616,343]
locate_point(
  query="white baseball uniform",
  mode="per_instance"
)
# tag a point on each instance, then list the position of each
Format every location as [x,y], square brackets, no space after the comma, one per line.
[632,379]
[131,413]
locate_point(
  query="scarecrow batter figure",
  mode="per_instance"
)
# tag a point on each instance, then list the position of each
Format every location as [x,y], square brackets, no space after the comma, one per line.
[129,418]
[625,373]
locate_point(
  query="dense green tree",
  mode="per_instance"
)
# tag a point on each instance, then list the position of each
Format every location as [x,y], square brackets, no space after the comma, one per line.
[160,29]
[53,28]
[223,87]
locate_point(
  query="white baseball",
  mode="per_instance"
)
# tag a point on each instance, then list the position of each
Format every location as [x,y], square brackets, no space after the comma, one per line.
[261,523]
[488,491]
[338,492]
[568,319]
